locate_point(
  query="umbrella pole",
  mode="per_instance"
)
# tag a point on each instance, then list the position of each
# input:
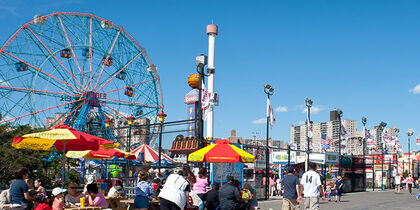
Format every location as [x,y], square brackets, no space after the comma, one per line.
[64,163]
[221,174]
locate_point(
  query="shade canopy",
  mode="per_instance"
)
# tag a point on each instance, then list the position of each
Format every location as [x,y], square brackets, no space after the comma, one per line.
[164,164]
[74,140]
[148,154]
[222,151]
[100,154]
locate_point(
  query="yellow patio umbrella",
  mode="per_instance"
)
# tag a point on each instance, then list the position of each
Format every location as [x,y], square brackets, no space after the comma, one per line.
[63,138]
[222,151]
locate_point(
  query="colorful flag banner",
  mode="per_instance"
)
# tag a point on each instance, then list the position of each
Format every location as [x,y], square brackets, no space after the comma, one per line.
[270,114]
[370,140]
[344,133]
[310,133]
[325,142]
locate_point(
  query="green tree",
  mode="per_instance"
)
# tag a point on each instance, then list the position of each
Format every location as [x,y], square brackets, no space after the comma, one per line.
[39,163]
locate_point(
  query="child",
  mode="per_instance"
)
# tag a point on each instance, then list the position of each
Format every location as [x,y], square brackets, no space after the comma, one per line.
[330,185]
[58,198]
[41,202]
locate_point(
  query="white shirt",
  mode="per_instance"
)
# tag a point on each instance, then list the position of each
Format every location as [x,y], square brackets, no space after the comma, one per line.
[310,181]
[397,180]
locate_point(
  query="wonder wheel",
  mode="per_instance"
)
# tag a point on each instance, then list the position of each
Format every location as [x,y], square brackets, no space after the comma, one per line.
[79,70]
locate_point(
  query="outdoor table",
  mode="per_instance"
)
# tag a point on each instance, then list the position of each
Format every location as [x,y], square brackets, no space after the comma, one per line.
[115,202]
[84,207]
[153,205]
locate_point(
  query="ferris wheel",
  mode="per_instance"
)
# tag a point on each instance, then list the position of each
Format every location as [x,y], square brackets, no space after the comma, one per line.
[76,69]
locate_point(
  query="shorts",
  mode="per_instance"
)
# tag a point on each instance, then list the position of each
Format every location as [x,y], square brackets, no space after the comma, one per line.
[141,202]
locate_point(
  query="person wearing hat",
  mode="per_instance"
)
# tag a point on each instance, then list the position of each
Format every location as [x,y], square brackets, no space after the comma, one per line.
[58,198]
[292,194]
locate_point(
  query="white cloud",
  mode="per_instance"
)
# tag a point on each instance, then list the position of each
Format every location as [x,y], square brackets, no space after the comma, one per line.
[415,90]
[259,121]
[281,109]
[301,123]
[314,109]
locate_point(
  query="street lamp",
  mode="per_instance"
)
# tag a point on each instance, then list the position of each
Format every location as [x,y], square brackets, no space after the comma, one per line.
[340,114]
[161,116]
[130,121]
[382,125]
[308,103]
[364,120]
[201,62]
[269,90]
[409,133]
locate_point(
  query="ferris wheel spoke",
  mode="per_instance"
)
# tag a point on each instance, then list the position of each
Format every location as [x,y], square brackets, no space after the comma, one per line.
[37,91]
[129,102]
[122,69]
[15,104]
[90,52]
[55,57]
[115,111]
[107,57]
[43,110]
[128,86]
[72,49]
[64,118]
[41,71]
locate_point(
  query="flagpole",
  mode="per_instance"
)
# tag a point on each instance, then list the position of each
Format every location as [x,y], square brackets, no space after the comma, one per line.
[340,114]
[364,149]
[308,103]
[269,90]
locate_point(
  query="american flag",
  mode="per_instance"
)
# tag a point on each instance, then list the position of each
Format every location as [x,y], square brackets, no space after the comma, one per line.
[325,142]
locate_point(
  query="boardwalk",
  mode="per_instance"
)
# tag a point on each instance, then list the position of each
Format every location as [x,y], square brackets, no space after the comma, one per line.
[363,200]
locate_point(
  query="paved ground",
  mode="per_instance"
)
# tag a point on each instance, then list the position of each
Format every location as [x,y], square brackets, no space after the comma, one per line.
[383,200]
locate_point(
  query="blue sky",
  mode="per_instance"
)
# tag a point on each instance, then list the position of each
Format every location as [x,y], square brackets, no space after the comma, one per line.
[359,56]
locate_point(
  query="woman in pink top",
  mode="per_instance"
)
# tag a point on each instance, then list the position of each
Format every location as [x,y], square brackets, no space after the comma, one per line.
[410,183]
[201,184]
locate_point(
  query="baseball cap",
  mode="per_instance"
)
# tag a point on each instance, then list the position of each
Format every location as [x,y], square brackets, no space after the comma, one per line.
[56,191]
[290,169]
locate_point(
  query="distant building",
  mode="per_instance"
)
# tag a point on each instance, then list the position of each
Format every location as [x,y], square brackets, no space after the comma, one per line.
[353,144]
[52,121]
[262,142]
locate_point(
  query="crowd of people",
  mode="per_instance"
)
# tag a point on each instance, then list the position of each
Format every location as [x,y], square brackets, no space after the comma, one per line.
[175,190]
[25,194]
[308,190]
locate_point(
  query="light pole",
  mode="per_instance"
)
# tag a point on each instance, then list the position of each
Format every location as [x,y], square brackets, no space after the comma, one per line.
[364,120]
[161,116]
[340,114]
[107,122]
[381,126]
[201,62]
[409,133]
[130,121]
[269,90]
[308,103]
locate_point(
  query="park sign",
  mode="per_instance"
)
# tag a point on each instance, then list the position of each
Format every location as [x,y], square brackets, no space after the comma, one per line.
[418,141]
[282,157]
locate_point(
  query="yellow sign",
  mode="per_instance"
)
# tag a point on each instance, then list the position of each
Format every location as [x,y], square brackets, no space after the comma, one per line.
[379,167]
[34,144]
